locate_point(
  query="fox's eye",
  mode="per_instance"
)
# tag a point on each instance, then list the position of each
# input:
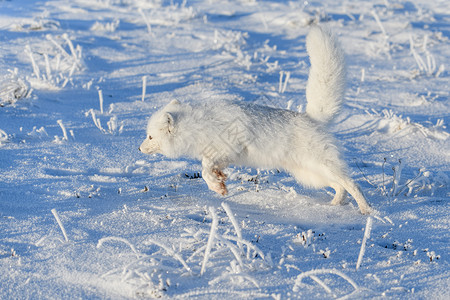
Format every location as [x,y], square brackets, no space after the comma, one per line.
[149,137]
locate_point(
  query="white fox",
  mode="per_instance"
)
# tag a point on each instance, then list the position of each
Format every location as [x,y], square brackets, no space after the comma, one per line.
[223,133]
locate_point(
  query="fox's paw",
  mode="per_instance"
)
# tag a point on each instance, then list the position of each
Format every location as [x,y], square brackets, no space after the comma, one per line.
[367,210]
[215,178]
[220,188]
[220,175]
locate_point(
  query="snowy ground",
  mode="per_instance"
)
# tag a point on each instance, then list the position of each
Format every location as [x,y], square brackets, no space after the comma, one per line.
[136,226]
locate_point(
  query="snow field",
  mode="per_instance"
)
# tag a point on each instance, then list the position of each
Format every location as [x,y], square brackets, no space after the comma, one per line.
[83,214]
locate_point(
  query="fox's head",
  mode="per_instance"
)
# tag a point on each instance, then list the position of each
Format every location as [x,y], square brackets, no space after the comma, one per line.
[161,131]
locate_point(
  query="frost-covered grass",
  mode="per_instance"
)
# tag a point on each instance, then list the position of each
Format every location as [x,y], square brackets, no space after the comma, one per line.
[83,214]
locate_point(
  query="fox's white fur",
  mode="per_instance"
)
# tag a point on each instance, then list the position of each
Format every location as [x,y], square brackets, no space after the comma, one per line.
[223,133]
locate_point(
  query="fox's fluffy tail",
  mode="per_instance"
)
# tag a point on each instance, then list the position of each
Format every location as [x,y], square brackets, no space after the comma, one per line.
[326,82]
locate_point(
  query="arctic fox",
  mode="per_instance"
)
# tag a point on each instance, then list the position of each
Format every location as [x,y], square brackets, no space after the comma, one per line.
[246,134]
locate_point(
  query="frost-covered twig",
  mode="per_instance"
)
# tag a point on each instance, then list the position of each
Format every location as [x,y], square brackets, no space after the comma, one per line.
[63,128]
[149,27]
[367,231]
[36,70]
[250,246]
[170,252]
[406,185]
[233,249]
[281,82]
[377,19]
[3,137]
[322,284]
[58,220]
[66,67]
[58,46]
[263,19]
[71,47]
[364,175]
[429,67]
[117,239]
[210,243]
[396,178]
[48,69]
[113,126]
[282,85]
[144,87]
[100,99]
[13,88]
[418,59]
[286,79]
[422,180]
[385,37]
[440,70]
[384,186]
[300,277]
[227,209]
[95,119]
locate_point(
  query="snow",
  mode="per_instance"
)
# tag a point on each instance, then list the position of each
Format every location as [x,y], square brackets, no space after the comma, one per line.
[84,214]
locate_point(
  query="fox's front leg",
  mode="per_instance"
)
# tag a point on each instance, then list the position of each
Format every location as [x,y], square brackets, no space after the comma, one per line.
[215,178]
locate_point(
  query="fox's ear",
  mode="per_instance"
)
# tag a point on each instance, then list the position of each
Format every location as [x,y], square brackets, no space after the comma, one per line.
[169,122]
[174,102]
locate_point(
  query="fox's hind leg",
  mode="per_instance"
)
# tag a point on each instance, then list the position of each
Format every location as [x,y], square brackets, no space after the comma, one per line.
[340,196]
[357,194]
[334,176]
[214,177]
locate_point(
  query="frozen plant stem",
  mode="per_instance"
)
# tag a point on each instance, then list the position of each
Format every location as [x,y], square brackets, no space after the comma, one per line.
[60,48]
[170,252]
[280,84]
[48,70]
[425,42]
[396,178]
[377,19]
[100,98]
[323,285]
[362,173]
[95,119]
[417,58]
[440,70]
[212,234]
[72,49]
[234,222]
[33,62]
[63,128]
[363,244]
[263,20]
[58,220]
[149,27]
[144,87]
[323,271]
[286,79]
[118,239]
[72,69]
[408,183]
[384,186]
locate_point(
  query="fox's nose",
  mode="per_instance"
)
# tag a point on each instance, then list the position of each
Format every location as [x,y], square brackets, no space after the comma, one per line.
[139,149]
